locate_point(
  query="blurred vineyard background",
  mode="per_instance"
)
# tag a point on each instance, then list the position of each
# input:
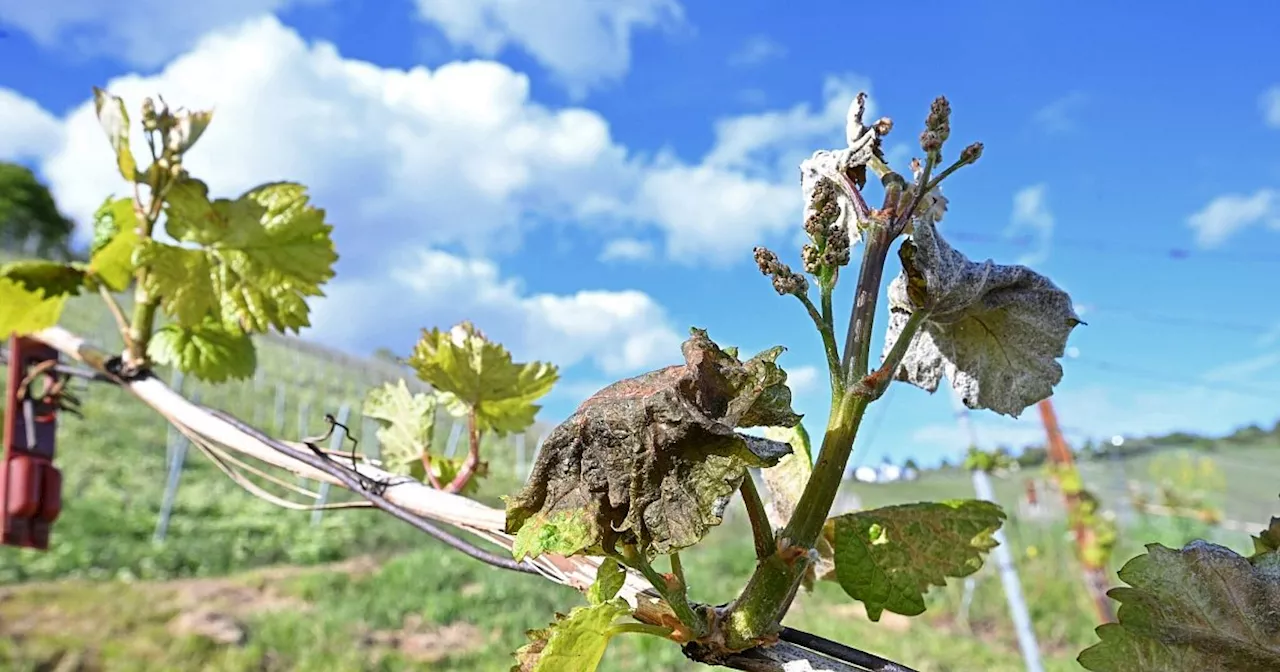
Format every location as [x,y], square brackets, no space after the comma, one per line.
[160,562]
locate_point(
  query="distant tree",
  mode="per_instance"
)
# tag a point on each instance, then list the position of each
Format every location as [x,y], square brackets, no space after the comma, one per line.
[910,464]
[28,212]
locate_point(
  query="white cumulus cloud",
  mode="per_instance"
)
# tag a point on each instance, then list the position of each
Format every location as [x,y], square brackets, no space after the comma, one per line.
[26,130]
[585,43]
[1227,215]
[617,331]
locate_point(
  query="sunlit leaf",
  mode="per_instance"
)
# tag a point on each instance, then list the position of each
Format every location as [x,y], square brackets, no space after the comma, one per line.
[25,312]
[259,258]
[573,643]
[48,279]
[1191,610]
[407,424]
[472,372]
[888,558]
[115,239]
[209,351]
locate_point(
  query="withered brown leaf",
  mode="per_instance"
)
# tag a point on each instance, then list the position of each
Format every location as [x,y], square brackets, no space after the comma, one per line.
[653,460]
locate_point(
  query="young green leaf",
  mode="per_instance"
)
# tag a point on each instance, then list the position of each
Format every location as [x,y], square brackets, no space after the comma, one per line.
[49,279]
[609,580]
[407,422]
[994,331]
[115,239]
[472,372]
[889,557]
[445,469]
[573,643]
[115,121]
[209,351]
[651,460]
[25,312]
[1199,608]
[261,256]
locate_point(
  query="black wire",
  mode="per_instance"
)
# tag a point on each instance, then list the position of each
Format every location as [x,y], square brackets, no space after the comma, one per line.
[848,654]
[354,484]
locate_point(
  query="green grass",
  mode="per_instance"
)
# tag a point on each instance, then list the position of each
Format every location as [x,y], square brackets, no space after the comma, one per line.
[106,593]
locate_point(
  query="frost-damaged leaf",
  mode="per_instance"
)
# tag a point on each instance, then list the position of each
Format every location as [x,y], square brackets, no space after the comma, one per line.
[889,557]
[994,331]
[48,279]
[115,239]
[115,121]
[209,351]
[25,312]
[652,460]
[407,422]
[1200,608]
[472,372]
[260,257]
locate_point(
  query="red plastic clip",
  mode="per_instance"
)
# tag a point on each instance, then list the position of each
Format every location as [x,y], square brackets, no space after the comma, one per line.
[30,486]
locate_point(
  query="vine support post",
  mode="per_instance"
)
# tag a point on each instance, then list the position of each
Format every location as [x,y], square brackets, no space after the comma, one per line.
[1027,642]
[1059,454]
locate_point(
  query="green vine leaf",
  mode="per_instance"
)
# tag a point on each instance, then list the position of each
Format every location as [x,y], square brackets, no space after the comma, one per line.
[609,580]
[445,469]
[573,643]
[651,460]
[1199,608]
[472,372]
[25,312]
[115,121]
[210,351]
[48,279]
[407,425]
[988,461]
[888,558]
[577,642]
[115,239]
[994,331]
[260,257]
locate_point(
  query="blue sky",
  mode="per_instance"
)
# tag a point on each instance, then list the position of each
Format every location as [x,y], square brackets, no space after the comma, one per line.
[585,180]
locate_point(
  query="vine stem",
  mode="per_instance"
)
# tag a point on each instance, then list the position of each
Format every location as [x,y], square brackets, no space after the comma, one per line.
[675,597]
[823,323]
[768,594]
[761,530]
[473,455]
